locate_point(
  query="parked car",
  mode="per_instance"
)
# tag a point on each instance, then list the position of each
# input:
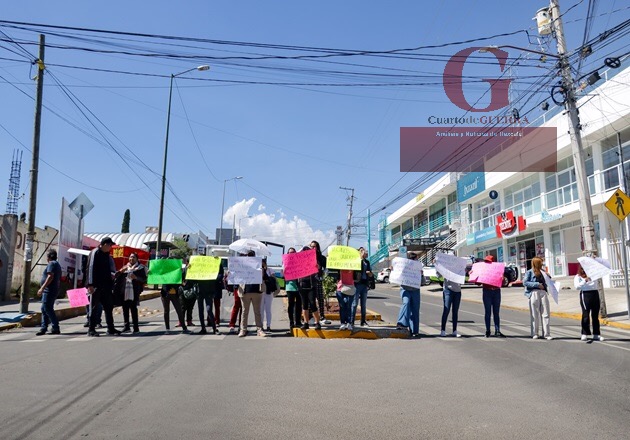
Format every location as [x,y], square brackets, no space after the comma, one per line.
[429,274]
[383,275]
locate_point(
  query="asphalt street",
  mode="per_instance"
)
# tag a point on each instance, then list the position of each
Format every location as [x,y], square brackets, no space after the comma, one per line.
[223,387]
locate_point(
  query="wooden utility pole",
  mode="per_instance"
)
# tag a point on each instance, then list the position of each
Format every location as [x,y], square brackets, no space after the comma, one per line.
[32,204]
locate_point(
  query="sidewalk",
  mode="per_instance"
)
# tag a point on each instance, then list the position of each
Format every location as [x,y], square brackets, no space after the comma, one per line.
[10,316]
[568,302]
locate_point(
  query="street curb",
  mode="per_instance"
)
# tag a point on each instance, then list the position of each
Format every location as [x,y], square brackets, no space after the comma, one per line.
[35,319]
[384,333]
[574,316]
[369,314]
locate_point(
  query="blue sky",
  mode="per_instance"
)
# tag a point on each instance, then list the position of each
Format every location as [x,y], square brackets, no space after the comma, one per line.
[294,145]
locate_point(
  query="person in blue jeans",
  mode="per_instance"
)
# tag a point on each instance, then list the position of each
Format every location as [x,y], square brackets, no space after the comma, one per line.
[345,298]
[409,314]
[49,290]
[361,285]
[491,296]
[452,296]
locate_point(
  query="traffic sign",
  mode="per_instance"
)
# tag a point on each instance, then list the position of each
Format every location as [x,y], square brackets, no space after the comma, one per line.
[619,204]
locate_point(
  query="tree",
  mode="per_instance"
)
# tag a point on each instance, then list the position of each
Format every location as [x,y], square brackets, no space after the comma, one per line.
[126,221]
[181,250]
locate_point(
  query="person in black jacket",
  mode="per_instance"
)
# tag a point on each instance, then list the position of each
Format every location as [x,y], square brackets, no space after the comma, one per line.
[135,275]
[319,286]
[361,279]
[308,293]
[206,290]
[100,283]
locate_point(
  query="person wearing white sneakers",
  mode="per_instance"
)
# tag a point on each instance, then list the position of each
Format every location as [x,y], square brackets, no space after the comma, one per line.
[536,292]
[452,296]
[589,302]
[345,296]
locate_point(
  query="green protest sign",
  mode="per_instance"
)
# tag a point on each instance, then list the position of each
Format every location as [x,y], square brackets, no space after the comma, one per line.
[203,268]
[343,257]
[165,272]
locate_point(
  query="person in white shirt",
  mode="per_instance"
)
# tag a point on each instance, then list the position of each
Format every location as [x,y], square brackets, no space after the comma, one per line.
[589,301]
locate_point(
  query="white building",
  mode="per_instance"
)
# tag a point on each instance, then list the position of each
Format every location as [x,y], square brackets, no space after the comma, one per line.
[466,220]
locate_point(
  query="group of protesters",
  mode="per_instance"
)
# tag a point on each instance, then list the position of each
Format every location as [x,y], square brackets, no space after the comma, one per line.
[108,287]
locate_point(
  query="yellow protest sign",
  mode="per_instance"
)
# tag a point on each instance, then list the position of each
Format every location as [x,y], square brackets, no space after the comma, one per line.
[619,204]
[201,267]
[343,257]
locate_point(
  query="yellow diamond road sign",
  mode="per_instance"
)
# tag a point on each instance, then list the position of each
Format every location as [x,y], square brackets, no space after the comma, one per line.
[619,204]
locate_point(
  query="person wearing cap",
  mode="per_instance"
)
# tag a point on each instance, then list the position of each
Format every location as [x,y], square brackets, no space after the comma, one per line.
[491,296]
[100,284]
[49,290]
[409,314]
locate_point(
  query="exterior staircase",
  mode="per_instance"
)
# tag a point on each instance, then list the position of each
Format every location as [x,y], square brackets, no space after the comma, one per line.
[448,243]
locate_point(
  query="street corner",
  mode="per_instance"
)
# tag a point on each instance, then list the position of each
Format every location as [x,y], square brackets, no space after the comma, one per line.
[359,333]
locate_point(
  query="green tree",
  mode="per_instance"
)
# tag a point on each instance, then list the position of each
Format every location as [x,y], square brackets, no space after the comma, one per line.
[126,221]
[181,249]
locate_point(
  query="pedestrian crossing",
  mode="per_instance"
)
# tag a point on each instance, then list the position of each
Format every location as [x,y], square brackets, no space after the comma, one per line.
[154,331]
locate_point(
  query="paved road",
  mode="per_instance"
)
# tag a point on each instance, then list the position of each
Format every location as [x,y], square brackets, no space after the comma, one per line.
[158,386]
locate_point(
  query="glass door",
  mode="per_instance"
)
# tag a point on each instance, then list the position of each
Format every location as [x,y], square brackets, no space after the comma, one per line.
[557,256]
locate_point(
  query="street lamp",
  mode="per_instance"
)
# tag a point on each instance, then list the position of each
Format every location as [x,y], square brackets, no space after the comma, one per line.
[158,244]
[223,206]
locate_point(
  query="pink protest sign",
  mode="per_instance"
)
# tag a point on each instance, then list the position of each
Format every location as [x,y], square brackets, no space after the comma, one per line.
[299,265]
[487,273]
[78,297]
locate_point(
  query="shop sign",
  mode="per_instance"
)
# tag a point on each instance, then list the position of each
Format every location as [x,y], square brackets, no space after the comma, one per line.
[508,225]
[547,218]
[482,235]
[470,185]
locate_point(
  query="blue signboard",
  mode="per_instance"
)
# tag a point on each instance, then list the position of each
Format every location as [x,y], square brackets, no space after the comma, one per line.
[470,185]
[483,235]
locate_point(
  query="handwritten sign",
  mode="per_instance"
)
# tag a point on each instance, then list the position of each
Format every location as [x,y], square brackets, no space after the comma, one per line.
[451,267]
[595,268]
[406,272]
[203,268]
[165,272]
[78,297]
[244,270]
[487,273]
[343,257]
[299,264]
[552,286]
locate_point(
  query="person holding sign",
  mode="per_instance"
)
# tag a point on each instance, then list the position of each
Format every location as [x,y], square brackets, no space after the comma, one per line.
[308,294]
[536,290]
[251,295]
[491,296]
[206,290]
[135,277]
[361,279]
[409,314]
[589,302]
[319,286]
[294,307]
[170,294]
[271,286]
[452,297]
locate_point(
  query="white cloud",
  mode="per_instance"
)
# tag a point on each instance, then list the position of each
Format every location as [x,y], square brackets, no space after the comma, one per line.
[278,227]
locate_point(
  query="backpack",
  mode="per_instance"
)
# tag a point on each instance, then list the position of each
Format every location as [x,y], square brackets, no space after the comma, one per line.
[306,283]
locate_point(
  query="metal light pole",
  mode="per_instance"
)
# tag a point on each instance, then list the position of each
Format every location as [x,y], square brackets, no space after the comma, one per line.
[223,207]
[239,224]
[158,244]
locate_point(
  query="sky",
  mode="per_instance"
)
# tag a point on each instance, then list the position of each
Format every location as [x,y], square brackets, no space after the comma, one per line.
[295,130]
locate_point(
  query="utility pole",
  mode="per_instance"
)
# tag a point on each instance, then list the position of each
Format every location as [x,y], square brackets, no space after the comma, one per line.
[586,209]
[349,230]
[32,204]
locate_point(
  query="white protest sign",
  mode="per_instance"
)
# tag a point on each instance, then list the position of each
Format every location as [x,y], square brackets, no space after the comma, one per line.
[595,268]
[406,272]
[245,270]
[451,267]
[552,286]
